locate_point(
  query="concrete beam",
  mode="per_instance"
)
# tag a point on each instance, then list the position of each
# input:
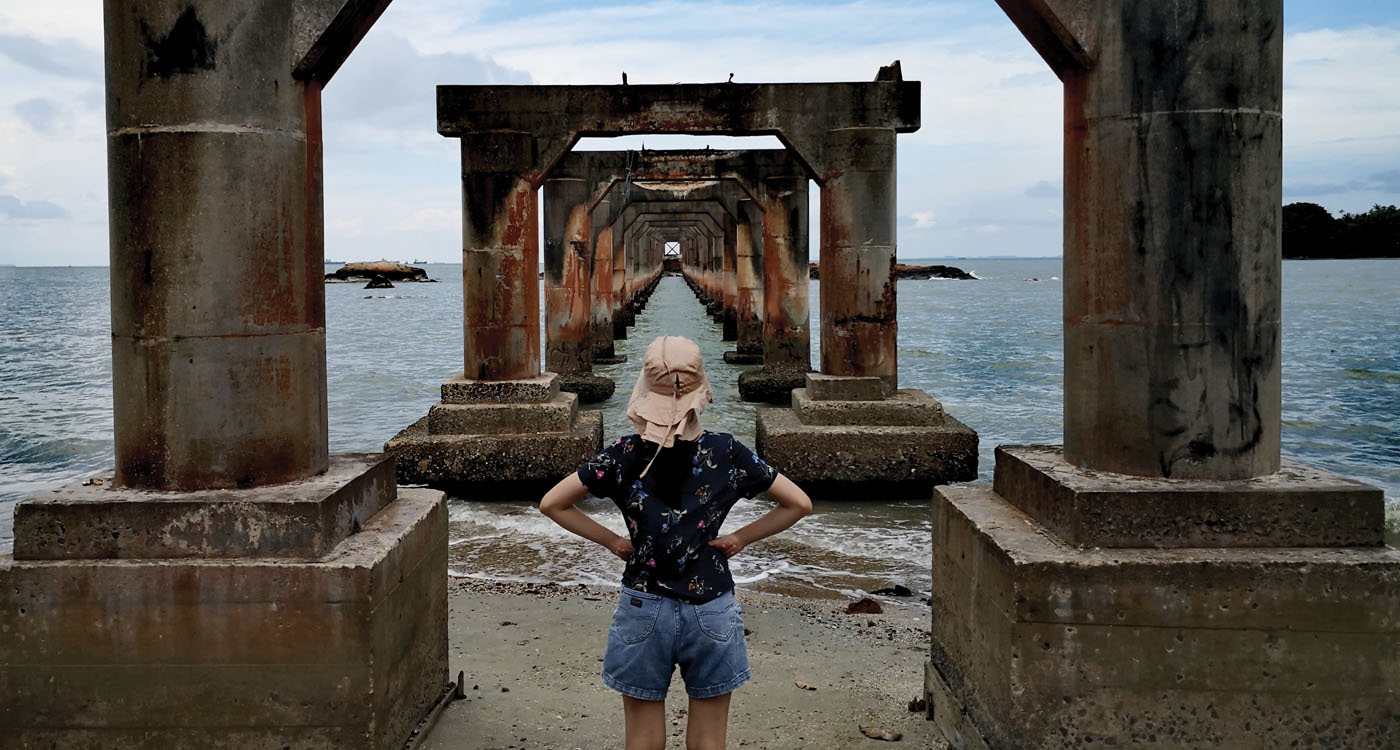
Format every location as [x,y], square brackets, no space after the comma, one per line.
[325,32]
[799,114]
[1057,29]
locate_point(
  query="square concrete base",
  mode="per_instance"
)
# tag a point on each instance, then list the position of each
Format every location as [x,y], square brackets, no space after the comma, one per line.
[1037,643]
[590,388]
[302,519]
[771,385]
[555,414]
[743,358]
[345,651]
[1298,506]
[492,463]
[836,455]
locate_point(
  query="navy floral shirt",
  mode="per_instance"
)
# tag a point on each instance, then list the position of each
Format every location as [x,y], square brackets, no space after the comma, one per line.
[676,509]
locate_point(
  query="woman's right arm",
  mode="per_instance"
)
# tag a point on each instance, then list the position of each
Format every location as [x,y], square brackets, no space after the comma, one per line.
[559,504]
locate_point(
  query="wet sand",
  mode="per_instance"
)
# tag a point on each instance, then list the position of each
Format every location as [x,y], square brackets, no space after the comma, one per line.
[532,656]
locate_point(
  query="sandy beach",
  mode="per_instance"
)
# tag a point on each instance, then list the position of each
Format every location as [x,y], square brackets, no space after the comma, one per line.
[531,655]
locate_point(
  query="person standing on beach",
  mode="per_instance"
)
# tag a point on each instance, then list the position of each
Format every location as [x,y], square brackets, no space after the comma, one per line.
[674,484]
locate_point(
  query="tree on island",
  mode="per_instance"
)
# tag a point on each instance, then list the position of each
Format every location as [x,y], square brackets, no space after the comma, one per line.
[1309,231]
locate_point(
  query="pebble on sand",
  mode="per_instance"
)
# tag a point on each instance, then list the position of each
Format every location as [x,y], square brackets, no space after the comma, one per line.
[865,606]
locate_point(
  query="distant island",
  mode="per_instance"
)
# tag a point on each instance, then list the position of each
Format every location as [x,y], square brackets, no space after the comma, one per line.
[908,272]
[1310,231]
[386,270]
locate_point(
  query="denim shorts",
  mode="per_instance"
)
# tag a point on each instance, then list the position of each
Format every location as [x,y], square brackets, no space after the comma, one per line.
[650,634]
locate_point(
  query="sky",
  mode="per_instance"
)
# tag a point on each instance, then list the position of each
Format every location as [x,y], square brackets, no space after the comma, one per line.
[981,177]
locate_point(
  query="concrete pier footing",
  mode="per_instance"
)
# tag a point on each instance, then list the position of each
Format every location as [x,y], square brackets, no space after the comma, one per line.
[770,385]
[848,434]
[486,437]
[307,614]
[1232,614]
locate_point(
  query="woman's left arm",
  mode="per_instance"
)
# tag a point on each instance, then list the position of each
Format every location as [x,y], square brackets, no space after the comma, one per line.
[559,504]
[792,505]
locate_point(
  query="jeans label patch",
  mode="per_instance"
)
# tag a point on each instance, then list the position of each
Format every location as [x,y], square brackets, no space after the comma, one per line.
[636,602]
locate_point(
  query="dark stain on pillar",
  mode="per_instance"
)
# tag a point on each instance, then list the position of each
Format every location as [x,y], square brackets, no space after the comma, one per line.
[485,200]
[187,48]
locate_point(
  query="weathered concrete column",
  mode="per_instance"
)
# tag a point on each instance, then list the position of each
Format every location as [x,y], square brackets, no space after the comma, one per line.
[621,312]
[849,429]
[749,285]
[1172,257]
[787,352]
[1214,590]
[504,428]
[786,327]
[568,290]
[858,336]
[174,603]
[601,303]
[730,285]
[713,249]
[214,385]
[500,258]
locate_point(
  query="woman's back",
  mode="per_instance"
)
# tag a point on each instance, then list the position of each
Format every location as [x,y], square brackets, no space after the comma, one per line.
[677,507]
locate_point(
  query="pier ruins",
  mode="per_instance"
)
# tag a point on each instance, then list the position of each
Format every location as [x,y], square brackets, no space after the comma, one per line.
[505,425]
[1163,577]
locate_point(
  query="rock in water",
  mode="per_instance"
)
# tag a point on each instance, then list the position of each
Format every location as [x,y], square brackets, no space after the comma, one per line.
[895,590]
[379,282]
[904,271]
[367,271]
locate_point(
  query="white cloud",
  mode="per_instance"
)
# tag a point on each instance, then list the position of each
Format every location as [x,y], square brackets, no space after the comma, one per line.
[1341,115]
[923,220]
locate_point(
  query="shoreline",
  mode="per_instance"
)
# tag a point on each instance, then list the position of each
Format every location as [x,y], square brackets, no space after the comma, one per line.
[531,656]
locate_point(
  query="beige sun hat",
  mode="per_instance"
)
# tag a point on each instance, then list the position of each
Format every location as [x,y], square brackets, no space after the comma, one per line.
[671,392]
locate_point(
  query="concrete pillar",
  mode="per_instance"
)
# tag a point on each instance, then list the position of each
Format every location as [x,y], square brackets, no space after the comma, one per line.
[214,384]
[858,336]
[601,303]
[619,281]
[500,258]
[749,278]
[1168,510]
[176,602]
[504,428]
[786,330]
[730,284]
[1172,249]
[567,287]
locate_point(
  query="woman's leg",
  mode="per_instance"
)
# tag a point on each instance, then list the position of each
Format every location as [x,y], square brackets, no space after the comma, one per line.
[708,723]
[646,723]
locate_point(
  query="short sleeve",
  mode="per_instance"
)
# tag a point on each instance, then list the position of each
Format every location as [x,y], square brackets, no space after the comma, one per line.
[751,475]
[602,473]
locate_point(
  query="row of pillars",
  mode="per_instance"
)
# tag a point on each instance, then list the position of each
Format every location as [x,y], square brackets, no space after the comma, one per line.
[744,251]
[178,340]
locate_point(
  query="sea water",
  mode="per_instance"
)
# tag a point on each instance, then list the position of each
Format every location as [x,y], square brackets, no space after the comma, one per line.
[990,350]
